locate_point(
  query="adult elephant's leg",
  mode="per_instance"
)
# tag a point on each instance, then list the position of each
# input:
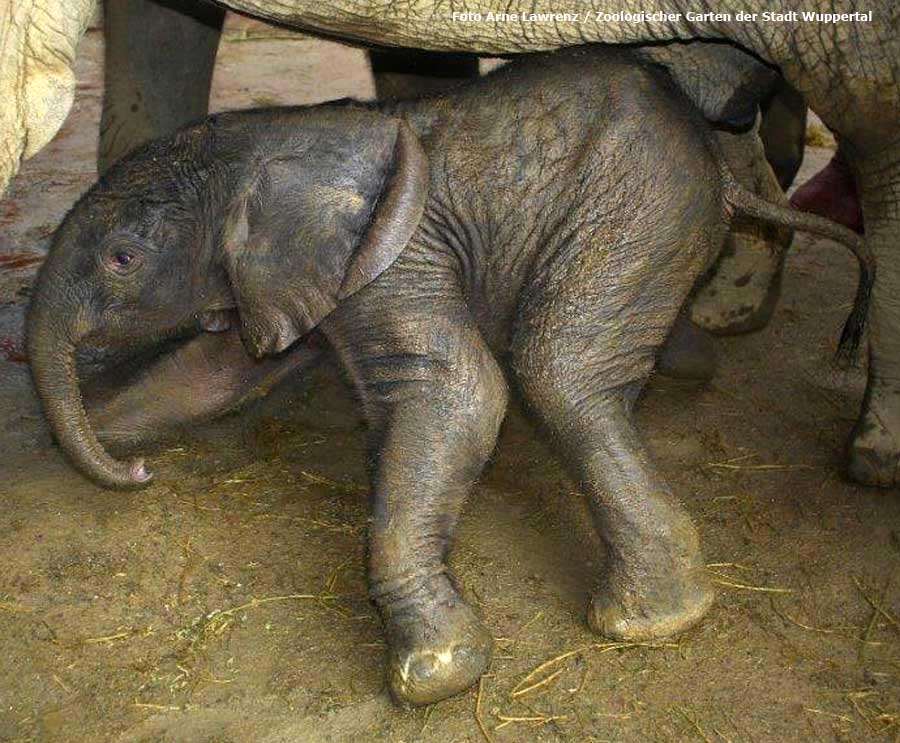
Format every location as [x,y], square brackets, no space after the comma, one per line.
[159,63]
[741,293]
[407,73]
[783,132]
[874,452]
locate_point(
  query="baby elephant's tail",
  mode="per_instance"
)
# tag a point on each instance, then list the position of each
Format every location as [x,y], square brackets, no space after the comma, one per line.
[742,202]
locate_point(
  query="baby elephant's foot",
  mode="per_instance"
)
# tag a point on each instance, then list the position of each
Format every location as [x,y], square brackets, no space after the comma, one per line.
[643,615]
[438,648]
[658,593]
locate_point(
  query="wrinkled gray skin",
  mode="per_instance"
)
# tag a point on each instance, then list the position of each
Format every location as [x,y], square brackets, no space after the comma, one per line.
[381,227]
[159,61]
[729,86]
[765,154]
[856,95]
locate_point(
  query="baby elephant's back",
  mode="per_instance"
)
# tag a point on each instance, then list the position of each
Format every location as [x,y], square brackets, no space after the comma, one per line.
[652,148]
[640,133]
[589,135]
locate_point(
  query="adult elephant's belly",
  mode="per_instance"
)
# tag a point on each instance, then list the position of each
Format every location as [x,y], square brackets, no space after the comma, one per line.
[196,380]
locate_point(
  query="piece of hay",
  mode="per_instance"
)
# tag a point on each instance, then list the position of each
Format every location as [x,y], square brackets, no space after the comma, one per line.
[723,579]
[478,720]
[527,683]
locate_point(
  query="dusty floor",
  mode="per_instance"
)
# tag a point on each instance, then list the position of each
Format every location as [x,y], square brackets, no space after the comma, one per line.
[227,602]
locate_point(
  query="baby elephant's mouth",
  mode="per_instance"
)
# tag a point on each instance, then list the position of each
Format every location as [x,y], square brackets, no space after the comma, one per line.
[192,380]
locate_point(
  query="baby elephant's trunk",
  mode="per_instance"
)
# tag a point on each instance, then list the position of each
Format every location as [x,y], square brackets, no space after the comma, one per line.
[741,202]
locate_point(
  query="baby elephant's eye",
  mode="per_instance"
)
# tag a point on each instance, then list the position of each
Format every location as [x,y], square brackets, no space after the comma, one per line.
[121,259]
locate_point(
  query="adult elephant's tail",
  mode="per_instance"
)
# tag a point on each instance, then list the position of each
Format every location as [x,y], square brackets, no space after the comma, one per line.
[741,202]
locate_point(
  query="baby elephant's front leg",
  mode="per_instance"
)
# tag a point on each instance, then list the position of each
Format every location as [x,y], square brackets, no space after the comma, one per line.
[436,418]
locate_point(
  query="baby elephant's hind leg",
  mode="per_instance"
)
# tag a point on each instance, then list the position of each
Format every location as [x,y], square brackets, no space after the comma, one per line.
[655,583]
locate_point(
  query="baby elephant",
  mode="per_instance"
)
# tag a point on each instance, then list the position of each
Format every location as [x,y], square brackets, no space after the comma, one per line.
[554,214]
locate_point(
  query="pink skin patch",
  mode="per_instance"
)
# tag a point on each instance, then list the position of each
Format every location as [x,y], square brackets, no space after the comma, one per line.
[831,193]
[139,471]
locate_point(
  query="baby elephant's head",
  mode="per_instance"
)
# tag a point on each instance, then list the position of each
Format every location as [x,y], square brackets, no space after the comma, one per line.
[272,216]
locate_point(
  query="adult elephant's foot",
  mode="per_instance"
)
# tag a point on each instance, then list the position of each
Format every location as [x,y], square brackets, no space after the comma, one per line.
[438,646]
[831,193]
[874,450]
[661,589]
[688,353]
[741,295]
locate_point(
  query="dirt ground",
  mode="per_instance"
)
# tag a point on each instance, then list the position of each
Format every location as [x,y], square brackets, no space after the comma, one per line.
[227,602]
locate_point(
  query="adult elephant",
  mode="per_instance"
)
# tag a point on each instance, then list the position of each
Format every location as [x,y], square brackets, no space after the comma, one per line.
[159,63]
[856,93]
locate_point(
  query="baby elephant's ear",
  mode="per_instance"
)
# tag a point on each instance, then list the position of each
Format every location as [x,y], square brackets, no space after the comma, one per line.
[324,217]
